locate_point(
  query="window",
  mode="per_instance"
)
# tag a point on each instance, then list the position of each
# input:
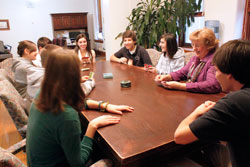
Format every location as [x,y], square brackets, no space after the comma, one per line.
[246,23]
[198,23]
[98,16]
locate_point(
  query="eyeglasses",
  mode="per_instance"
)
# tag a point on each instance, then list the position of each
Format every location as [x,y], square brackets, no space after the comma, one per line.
[195,45]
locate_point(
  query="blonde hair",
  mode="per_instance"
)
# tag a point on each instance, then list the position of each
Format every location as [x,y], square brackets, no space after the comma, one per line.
[206,37]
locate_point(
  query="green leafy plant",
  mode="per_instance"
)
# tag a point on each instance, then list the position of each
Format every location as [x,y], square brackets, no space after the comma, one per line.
[151,18]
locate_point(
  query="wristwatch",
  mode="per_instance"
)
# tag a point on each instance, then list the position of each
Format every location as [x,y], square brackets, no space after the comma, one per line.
[105,107]
[99,104]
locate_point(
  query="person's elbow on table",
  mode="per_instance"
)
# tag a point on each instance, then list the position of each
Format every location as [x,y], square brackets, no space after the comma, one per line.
[184,136]
[118,60]
[114,58]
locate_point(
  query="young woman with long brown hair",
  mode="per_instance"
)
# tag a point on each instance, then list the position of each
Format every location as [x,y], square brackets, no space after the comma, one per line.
[83,49]
[53,136]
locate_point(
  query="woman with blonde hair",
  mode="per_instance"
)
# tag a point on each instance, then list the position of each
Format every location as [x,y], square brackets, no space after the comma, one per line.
[54,130]
[199,72]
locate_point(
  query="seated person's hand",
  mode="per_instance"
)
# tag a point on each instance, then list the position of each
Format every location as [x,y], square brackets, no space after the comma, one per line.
[123,60]
[152,69]
[209,104]
[147,67]
[163,78]
[86,60]
[130,62]
[173,85]
[160,78]
[169,85]
[204,107]
[117,109]
[100,122]
[84,78]
[104,121]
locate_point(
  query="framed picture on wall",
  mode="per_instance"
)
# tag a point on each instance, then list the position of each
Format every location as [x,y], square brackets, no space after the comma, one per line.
[4,25]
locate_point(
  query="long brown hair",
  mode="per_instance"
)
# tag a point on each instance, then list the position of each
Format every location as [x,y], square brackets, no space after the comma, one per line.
[88,48]
[171,44]
[61,83]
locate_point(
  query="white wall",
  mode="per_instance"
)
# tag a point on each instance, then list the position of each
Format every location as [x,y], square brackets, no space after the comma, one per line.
[31,22]
[115,21]
[230,13]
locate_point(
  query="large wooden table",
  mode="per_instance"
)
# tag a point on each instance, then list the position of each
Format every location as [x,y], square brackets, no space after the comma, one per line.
[149,130]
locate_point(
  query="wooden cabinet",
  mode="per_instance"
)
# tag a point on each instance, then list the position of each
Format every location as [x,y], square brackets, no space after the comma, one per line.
[69,21]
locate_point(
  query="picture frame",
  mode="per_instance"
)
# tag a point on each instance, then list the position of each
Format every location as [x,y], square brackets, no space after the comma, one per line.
[4,25]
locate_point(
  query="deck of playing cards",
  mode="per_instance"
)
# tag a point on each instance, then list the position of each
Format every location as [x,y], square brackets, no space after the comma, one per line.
[107,75]
[91,75]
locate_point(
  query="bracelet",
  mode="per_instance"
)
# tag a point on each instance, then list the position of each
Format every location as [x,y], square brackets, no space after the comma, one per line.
[105,107]
[86,104]
[99,104]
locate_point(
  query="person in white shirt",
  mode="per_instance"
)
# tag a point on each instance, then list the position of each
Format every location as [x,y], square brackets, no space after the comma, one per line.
[83,49]
[27,51]
[35,75]
[172,58]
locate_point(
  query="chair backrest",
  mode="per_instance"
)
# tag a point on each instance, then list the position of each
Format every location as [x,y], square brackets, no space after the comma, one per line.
[154,56]
[188,56]
[8,159]
[5,76]
[2,47]
[15,105]
[8,137]
[6,65]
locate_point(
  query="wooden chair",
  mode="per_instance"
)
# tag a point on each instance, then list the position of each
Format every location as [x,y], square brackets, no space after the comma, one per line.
[212,154]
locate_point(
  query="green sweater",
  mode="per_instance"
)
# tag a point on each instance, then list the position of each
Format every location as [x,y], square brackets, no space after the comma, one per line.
[54,140]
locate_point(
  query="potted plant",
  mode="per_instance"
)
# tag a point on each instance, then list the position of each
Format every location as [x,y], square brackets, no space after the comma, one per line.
[151,18]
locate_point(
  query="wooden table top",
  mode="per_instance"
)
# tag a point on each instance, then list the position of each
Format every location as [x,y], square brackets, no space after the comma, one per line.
[158,111]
